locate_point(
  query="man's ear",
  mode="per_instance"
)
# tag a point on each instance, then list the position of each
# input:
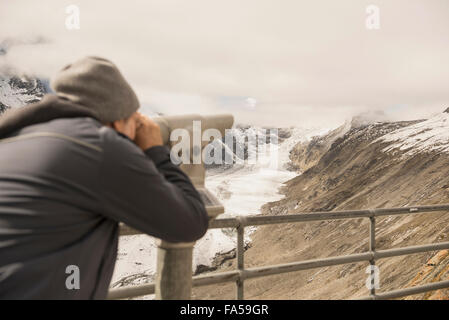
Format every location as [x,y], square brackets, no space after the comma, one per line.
[114,125]
[119,125]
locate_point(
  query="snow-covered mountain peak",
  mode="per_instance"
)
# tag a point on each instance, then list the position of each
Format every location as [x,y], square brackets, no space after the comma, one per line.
[425,136]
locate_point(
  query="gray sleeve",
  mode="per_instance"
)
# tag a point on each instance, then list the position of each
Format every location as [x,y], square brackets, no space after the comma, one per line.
[146,191]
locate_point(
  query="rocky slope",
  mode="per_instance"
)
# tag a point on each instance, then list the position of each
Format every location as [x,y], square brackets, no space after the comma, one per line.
[361,165]
[306,154]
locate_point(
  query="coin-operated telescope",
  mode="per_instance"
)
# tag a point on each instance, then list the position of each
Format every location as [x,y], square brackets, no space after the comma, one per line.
[187,136]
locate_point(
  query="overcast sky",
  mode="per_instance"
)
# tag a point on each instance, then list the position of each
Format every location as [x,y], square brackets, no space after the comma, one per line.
[300,63]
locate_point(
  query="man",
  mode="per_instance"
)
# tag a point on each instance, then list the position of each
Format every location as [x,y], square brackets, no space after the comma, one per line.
[71,167]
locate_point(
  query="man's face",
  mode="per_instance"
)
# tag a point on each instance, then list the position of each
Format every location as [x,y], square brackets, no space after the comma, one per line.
[128,126]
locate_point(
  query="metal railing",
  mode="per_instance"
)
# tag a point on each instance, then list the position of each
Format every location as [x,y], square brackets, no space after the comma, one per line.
[241,273]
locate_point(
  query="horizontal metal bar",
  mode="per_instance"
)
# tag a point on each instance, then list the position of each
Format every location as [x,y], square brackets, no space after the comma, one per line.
[221,277]
[132,291]
[405,210]
[197,281]
[337,215]
[304,265]
[255,220]
[224,223]
[380,254]
[409,291]
[214,224]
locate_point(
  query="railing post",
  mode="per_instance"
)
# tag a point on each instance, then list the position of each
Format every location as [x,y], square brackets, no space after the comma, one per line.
[372,248]
[240,259]
[174,271]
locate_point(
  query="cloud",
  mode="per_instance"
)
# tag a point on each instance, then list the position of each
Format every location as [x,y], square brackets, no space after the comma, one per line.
[305,62]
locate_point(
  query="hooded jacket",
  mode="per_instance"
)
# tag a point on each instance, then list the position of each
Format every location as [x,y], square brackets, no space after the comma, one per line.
[65,183]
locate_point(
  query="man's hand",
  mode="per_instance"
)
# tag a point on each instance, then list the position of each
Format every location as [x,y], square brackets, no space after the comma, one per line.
[148,133]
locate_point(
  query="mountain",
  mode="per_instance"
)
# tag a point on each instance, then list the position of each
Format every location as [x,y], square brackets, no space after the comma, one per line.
[359,165]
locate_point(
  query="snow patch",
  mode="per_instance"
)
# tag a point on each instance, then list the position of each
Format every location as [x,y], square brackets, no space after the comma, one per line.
[426,136]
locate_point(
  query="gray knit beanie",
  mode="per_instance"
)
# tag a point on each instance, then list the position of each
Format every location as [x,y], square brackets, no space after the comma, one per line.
[97,84]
